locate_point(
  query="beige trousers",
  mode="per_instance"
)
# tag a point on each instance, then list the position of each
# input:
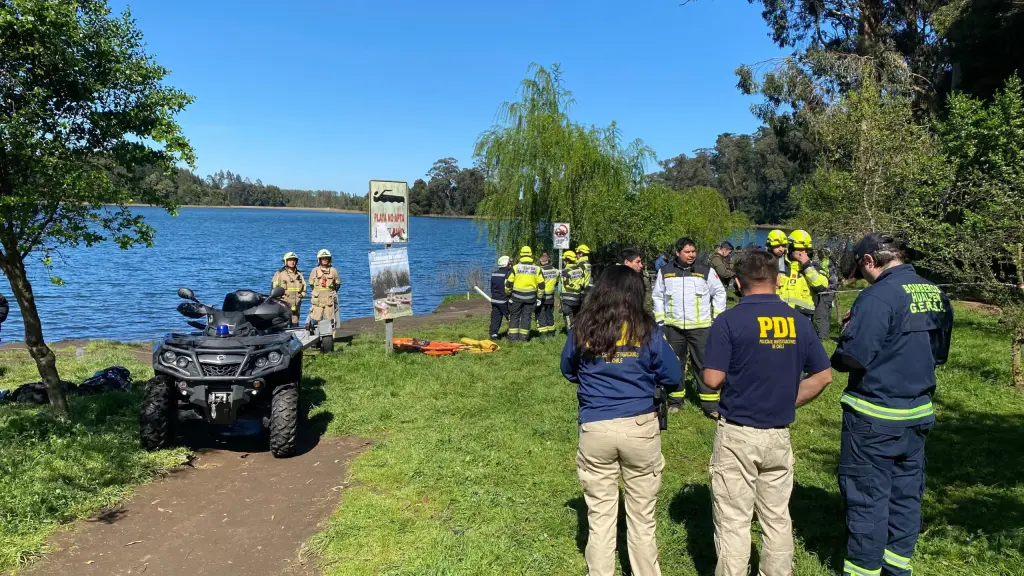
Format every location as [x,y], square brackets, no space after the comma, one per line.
[632,447]
[752,469]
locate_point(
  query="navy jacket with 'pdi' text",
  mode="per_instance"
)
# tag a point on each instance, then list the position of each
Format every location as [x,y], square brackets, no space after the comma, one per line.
[623,387]
[899,331]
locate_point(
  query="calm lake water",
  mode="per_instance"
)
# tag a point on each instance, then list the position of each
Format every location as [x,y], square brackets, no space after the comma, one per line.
[131,295]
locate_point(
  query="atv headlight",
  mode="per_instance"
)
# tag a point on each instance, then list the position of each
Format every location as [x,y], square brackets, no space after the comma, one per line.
[261,362]
[274,357]
[168,357]
[182,362]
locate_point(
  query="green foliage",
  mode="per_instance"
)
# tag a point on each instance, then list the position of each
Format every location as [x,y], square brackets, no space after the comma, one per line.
[542,168]
[183,188]
[751,171]
[875,164]
[52,473]
[449,191]
[966,229]
[83,105]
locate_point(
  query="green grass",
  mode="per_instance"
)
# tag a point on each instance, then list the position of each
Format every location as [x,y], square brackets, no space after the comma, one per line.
[52,473]
[462,297]
[472,470]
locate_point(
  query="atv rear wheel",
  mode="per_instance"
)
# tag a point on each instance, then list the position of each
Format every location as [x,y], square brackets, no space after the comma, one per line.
[158,414]
[284,412]
[327,344]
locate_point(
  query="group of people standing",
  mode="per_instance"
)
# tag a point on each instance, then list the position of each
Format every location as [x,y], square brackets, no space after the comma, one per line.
[756,364]
[324,279]
[525,289]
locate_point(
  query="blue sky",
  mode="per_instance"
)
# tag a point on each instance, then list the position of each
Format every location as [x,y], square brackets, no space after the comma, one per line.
[331,94]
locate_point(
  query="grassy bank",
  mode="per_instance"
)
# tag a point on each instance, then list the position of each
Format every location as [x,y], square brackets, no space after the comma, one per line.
[53,473]
[473,469]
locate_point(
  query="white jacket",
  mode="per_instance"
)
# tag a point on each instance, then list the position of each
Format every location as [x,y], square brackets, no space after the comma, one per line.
[687,297]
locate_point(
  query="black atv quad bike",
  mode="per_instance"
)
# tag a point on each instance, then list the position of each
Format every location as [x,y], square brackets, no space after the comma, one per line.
[243,363]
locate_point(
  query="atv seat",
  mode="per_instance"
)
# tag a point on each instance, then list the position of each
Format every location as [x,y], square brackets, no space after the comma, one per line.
[242,300]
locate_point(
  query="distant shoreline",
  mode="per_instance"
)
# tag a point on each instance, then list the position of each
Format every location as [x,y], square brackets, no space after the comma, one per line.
[338,210]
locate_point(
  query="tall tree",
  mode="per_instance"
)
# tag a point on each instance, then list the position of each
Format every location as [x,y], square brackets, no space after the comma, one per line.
[544,168]
[683,172]
[82,106]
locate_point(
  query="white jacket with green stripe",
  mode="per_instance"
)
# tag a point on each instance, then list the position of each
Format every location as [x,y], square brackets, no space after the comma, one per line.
[687,297]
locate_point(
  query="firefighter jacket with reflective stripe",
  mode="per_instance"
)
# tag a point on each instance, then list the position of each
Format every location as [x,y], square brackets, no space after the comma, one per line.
[830,269]
[293,283]
[687,297]
[584,263]
[573,282]
[550,274]
[525,283]
[898,332]
[325,284]
[801,283]
[498,277]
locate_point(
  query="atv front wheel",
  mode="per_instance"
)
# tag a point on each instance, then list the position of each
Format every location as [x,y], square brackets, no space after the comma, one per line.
[284,420]
[158,414]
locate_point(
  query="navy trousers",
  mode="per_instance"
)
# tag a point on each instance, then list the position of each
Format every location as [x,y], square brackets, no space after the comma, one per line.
[881,477]
[499,312]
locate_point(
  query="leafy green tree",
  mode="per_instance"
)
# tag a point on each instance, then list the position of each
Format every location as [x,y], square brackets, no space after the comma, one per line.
[683,172]
[81,107]
[750,171]
[875,162]
[543,168]
[972,231]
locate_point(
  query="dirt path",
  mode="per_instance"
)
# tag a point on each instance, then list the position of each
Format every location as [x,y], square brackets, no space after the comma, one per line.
[228,514]
[232,512]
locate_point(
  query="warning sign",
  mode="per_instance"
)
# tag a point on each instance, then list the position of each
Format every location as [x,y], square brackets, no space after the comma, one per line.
[389,212]
[561,236]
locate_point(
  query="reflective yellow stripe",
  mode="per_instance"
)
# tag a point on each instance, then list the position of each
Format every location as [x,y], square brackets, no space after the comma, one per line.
[696,305]
[865,407]
[896,560]
[684,325]
[710,397]
[660,317]
[295,289]
[679,394]
[851,568]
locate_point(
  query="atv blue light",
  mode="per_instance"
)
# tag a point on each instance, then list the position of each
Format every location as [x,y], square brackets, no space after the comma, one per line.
[222,330]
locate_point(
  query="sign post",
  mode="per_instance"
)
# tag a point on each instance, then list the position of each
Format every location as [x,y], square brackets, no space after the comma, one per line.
[389,224]
[560,233]
[389,328]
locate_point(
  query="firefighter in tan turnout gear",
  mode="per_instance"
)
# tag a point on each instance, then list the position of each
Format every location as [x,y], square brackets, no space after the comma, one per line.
[325,282]
[289,278]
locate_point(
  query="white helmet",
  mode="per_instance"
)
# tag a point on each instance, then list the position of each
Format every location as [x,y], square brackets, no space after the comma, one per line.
[290,256]
[323,253]
[503,261]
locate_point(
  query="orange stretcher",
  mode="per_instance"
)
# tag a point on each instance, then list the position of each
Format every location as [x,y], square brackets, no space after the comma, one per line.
[432,348]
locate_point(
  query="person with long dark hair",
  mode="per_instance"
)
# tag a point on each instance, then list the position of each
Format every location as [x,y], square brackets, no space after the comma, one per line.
[617,355]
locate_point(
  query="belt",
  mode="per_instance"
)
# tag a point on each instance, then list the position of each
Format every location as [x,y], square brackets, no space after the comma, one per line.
[731,423]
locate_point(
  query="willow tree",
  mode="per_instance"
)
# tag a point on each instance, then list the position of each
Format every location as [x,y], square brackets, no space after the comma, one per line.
[82,107]
[542,168]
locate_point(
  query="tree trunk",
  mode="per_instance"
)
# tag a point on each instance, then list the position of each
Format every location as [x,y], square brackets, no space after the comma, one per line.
[46,362]
[868,28]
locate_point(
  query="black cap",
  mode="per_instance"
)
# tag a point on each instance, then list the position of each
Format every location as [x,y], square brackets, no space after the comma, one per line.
[872,243]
